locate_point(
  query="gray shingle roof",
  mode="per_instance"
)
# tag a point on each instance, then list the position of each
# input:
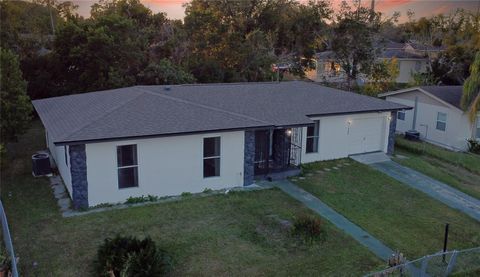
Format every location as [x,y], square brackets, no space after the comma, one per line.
[449,94]
[399,54]
[154,110]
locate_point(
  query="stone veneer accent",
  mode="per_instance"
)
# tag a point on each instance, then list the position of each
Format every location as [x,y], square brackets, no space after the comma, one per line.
[391,133]
[249,158]
[78,170]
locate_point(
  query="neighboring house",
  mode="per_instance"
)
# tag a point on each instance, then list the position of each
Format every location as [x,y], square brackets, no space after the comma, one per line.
[439,117]
[327,68]
[165,140]
[423,50]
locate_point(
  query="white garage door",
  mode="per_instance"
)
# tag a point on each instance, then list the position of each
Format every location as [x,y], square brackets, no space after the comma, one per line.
[366,135]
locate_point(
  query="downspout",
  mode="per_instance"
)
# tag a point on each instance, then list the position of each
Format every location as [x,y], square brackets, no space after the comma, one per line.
[414,123]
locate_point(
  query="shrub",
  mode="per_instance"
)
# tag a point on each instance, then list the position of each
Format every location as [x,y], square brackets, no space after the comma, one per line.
[129,256]
[309,228]
[141,199]
[474,146]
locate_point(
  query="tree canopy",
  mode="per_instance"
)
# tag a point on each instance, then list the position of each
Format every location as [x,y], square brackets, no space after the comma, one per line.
[471,90]
[14,103]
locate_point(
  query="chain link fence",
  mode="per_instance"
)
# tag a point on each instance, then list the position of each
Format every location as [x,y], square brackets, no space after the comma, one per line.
[452,263]
[7,240]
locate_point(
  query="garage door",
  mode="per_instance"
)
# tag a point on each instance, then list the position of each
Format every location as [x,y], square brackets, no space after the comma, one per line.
[366,135]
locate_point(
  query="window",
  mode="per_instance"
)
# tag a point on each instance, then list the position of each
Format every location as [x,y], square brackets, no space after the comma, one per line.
[211,157]
[65,150]
[478,128]
[312,138]
[127,166]
[401,115]
[441,121]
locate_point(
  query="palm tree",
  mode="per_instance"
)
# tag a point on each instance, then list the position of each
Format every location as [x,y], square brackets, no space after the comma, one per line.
[471,91]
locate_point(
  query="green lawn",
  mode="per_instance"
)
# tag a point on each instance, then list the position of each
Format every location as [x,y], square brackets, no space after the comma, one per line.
[468,161]
[450,174]
[402,217]
[224,235]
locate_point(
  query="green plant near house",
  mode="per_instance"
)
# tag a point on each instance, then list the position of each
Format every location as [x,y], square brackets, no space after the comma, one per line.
[309,228]
[141,199]
[473,146]
[127,256]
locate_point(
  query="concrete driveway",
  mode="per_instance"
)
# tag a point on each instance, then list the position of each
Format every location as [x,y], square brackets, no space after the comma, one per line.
[435,189]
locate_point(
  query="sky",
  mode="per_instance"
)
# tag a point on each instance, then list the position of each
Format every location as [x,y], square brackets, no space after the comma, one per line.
[422,8]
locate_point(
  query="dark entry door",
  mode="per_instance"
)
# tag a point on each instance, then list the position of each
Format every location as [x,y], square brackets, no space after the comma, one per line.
[262,149]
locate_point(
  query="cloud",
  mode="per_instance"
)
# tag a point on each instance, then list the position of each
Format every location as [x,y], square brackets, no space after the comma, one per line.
[387,5]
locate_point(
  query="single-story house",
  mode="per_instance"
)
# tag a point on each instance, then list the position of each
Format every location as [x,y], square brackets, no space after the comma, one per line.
[437,115]
[165,140]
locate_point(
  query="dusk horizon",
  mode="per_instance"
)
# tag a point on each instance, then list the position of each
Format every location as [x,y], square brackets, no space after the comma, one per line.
[422,8]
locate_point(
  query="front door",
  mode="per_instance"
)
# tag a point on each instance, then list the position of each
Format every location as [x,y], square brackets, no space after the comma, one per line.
[262,152]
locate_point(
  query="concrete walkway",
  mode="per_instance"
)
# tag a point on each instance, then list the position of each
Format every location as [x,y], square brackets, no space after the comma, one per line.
[438,190]
[377,247]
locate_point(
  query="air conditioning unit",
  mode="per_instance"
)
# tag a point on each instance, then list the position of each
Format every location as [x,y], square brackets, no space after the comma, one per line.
[41,165]
[412,135]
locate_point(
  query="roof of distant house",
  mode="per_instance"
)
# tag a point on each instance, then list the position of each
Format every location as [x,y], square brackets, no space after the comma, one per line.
[449,94]
[424,47]
[166,110]
[399,54]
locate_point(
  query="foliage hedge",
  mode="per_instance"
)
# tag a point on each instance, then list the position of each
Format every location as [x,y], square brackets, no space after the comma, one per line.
[127,256]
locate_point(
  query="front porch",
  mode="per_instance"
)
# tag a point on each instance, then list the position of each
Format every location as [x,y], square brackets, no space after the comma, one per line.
[272,153]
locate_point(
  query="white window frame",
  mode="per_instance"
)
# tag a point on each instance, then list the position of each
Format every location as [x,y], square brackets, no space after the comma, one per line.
[404,115]
[441,121]
[127,166]
[315,136]
[213,157]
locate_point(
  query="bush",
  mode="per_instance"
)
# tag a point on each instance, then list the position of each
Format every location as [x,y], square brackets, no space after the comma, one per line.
[129,256]
[309,228]
[474,146]
[141,199]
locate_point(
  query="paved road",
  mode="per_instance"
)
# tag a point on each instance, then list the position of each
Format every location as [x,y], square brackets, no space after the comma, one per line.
[312,202]
[438,190]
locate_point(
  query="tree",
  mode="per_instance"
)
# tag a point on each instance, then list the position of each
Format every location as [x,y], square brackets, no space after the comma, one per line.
[164,73]
[15,104]
[382,77]
[471,91]
[354,39]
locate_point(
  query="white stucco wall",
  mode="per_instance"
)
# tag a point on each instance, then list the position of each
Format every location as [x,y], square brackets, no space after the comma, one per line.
[458,128]
[166,166]
[57,154]
[336,135]
[408,67]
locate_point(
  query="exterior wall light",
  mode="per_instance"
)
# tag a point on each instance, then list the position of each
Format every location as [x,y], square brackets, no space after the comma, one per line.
[289,132]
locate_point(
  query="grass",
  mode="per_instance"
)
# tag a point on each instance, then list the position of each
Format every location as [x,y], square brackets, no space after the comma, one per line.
[450,174]
[242,233]
[468,161]
[402,217]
